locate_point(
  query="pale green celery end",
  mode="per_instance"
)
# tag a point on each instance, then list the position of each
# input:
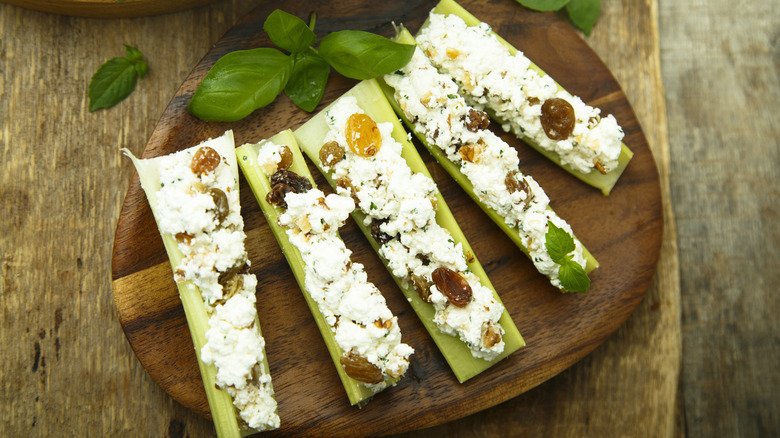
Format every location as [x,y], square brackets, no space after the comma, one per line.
[605,183]
[260,185]
[310,137]
[223,413]
[405,37]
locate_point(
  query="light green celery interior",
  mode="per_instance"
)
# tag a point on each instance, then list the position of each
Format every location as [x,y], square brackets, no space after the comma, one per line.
[454,170]
[259,182]
[310,138]
[223,413]
[605,183]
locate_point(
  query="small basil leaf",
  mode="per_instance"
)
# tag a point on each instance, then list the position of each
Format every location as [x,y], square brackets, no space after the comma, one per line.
[573,277]
[133,54]
[584,13]
[307,81]
[288,31]
[141,67]
[239,83]
[111,83]
[363,55]
[559,243]
[543,5]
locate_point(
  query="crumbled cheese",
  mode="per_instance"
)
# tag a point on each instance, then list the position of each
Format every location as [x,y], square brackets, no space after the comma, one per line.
[489,76]
[404,203]
[212,248]
[429,99]
[353,307]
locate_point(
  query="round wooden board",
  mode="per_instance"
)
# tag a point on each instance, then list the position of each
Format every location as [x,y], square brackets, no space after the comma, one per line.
[623,231]
[108,8]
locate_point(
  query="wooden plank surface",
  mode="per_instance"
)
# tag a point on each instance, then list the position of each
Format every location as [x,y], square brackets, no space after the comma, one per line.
[67,369]
[724,133]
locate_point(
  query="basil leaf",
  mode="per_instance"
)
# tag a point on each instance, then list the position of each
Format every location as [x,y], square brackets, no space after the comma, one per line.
[111,83]
[363,55]
[584,13]
[239,83]
[133,54]
[573,277]
[288,31]
[307,81]
[559,243]
[543,5]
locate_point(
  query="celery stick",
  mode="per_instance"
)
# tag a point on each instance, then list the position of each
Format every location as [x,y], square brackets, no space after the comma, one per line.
[223,413]
[456,353]
[259,183]
[604,182]
[454,170]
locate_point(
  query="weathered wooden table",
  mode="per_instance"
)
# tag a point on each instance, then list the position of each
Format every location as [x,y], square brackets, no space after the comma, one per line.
[699,356]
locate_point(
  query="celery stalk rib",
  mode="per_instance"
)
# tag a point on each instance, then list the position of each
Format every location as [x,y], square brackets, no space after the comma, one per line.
[260,185]
[456,353]
[452,168]
[223,413]
[605,183]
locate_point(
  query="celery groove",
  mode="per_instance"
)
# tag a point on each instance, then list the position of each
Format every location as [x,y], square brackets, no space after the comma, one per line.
[224,415]
[454,169]
[259,182]
[604,182]
[310,138]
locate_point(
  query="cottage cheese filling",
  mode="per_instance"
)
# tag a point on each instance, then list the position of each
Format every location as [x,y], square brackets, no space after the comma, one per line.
[490,77]
[354,308]
[401,206]
[201,209]
[430,99]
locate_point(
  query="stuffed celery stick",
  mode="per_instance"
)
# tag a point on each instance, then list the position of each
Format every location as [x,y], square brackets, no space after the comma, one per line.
[361,333]
[482,163]
[362,149]
[494,76]
[194,197]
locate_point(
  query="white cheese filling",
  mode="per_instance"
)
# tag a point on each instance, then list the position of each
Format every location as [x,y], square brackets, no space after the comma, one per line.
[353,307]
[430,99]
[186,209]
[404,203]
[490,77]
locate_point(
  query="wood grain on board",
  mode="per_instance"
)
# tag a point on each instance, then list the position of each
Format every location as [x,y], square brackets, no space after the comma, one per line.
[623,231]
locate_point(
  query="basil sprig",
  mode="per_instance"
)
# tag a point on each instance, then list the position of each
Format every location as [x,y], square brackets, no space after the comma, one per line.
[243,81]
[559,246]
[116,79]
[583,13]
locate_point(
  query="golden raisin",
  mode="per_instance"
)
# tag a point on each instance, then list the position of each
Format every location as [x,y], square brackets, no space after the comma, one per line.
[452,53]
[452,285]
[513,185]
[491,337]
[360,369]
[422,287]
[331,153]
[205,160]
[557,118]
[221,204]
[363,136]
[286,158]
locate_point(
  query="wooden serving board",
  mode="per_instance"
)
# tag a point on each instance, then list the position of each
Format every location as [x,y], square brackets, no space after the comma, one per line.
[623,231]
